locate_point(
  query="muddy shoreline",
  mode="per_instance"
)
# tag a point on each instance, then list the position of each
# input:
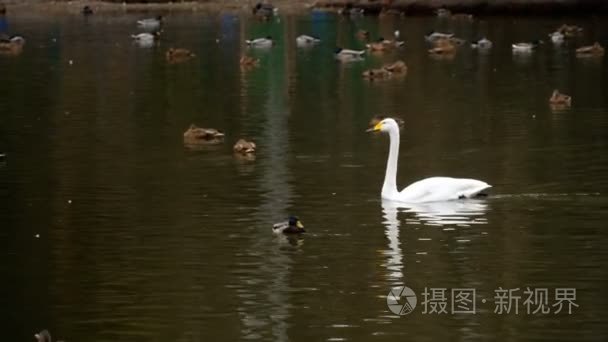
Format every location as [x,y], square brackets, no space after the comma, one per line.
[371,7]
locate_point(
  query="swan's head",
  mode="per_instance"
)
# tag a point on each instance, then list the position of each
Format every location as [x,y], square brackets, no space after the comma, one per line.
[385,125]
[294,221]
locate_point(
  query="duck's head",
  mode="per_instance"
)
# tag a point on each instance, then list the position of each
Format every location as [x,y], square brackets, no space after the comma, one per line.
[159,17]
[385,125]
[269,37]
[337,50]
[43,336]
[295,221]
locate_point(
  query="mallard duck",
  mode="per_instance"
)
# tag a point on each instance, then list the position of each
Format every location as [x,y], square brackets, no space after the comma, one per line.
[151,23]
[174,55]
[525,47]
[304,40]
[482,44]
[433,36]
[87,10]
[243,146]
[595,50]
[380,45]
[43,336]
[346,55]
[260,42]
[556,37]
[12,46]
[570,30]
[397,67]
[376,74]
[376,119]
[558,98]
[292,226]
[197,133]
[362,35]
[248,61]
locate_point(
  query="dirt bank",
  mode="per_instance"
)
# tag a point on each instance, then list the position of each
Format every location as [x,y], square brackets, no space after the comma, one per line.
[409,7]
[59,7]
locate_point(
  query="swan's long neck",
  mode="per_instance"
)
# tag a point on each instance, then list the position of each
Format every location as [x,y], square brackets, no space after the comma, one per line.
[389,189]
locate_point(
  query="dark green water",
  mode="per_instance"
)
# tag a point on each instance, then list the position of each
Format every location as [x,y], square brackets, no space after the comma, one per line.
[143,239]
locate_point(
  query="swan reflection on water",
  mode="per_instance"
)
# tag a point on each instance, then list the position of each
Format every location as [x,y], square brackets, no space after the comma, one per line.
[460,212]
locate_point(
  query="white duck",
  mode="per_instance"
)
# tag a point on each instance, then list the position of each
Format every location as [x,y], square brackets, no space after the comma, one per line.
[482,44]
[304,40]
[347,55]
[260,42]
[145,39]
[556,37]
[525,47]
[151,23]
[434,189]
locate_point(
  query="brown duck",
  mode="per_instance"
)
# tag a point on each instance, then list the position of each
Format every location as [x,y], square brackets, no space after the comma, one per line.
[195,133]
[174,55]
[595,50]
[558,98]
[243,146]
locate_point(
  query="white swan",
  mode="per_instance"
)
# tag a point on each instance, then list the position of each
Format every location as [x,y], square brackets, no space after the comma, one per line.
[432,189]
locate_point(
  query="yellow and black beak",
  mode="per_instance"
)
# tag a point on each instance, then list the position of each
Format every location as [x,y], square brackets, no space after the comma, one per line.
[299,224]
[376,128]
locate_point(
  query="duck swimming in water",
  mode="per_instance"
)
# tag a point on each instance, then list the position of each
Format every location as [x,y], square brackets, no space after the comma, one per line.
[43,336]
[304,40]
[243,146]
[347,55]
[198,133]
[12,46]
[174,55]
[525,47]
[595,50]
[558,98]
[151,23]
[265,42]
[292,226]
[482,44]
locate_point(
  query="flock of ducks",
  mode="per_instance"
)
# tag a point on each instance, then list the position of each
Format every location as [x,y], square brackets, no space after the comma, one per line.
[441,44]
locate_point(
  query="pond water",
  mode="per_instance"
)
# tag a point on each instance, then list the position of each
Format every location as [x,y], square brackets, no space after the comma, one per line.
[113,229]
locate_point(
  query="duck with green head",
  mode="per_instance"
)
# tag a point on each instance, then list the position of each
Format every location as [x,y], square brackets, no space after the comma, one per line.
[292,226]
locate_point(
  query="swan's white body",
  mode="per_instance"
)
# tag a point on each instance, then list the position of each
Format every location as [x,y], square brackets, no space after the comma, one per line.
[432,189]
